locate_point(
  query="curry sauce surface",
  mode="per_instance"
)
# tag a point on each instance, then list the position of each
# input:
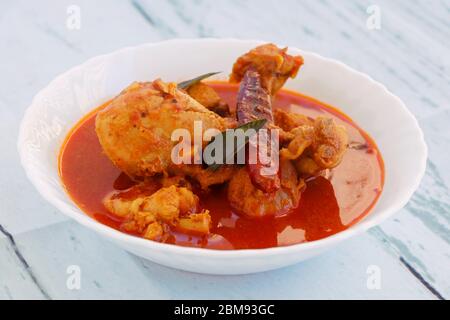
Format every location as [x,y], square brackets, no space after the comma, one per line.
[327,206]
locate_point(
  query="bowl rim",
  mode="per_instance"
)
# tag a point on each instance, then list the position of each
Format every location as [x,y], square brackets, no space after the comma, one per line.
[122,237]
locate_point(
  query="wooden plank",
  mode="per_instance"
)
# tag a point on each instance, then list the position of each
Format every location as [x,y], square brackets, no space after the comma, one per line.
[17,280]
[45,48]
[409,61]
[107,272]
[409,55]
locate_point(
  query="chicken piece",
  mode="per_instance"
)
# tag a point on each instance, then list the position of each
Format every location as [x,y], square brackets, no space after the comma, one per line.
[196,223]
[154,231]
[206,177]
[303,137]
[129,201]
[286,121]
[250,201]
[135,128]
[168,203]
[204,94]
[317,145]
[152,215]
[306,166]
[329,144]
[165,204]
[208,97]
[262,72]
[289,120]
[273,64]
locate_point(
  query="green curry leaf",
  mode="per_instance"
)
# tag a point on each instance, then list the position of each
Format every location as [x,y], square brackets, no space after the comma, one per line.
[256,125]
[188,83]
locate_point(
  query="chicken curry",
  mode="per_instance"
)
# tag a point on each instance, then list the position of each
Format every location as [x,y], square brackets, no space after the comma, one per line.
[117,162]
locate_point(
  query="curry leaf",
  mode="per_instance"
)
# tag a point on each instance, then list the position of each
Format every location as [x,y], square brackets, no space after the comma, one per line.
[255,125]
[188,83]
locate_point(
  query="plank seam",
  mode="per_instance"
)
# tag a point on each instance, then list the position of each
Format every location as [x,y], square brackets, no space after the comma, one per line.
[419,277]
[23,261]
[143,13]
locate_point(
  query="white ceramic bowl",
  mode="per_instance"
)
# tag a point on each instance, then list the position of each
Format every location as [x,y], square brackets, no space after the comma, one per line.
[58,107]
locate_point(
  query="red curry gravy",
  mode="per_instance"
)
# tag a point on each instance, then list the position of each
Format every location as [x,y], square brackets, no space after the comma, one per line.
[327,206]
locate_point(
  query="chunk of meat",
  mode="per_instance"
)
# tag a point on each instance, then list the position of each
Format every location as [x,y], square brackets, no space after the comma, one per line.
[273,64]
[135,128]
[303,137]
[306,166]
[289,120]
[262,72]
[208,97]
[329,144]
[315,145]
[206,177]
[248,200]
[129,201]
[196,223]
[152,215]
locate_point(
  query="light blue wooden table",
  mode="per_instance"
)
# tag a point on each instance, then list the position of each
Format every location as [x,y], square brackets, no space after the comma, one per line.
[410,54]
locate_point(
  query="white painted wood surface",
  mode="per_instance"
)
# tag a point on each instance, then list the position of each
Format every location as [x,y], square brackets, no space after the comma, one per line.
[409,54]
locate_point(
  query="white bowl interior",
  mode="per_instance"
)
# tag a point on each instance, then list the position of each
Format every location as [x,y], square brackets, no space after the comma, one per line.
[58,107]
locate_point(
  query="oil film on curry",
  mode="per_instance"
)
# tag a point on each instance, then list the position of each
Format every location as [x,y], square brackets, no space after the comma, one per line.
[283,168]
